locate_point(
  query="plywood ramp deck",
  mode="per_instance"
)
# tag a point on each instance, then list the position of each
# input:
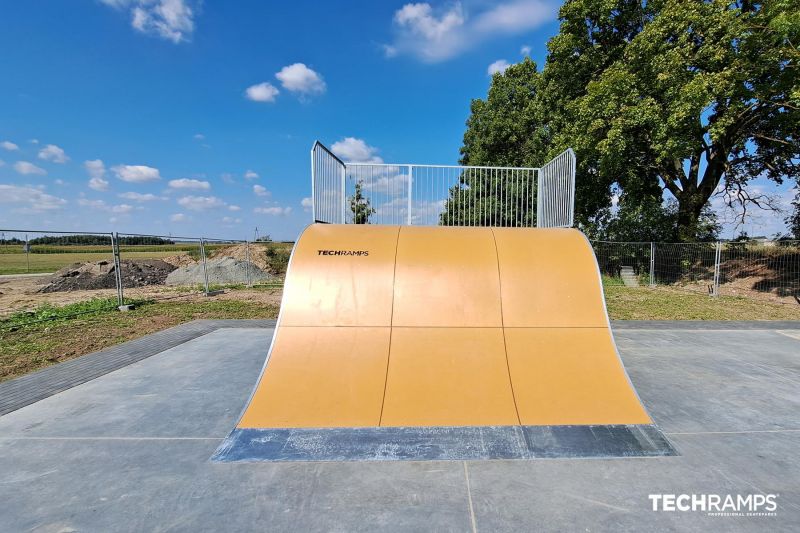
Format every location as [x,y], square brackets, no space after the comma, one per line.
[384,329]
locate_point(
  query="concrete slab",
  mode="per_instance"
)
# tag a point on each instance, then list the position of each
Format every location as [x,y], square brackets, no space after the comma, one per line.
[129,451]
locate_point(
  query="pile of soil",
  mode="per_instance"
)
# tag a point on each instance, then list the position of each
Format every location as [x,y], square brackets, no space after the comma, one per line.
[101,275]
[179,260]
[256,254]
[222,271]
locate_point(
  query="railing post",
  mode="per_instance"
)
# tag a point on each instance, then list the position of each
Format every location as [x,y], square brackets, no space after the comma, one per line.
[313,185]
[652,264]
[344,195]
[205,268]
[410,179]
[717,257]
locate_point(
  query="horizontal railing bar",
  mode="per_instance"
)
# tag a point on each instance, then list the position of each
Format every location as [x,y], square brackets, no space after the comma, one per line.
[433,166]
[58,232]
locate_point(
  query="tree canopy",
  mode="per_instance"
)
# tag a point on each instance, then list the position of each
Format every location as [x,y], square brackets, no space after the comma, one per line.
[660,99]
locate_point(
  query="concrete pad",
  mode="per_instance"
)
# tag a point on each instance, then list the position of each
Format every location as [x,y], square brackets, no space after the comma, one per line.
[129,451]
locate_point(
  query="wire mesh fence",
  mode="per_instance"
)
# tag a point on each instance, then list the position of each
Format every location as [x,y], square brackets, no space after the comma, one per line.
[767,270]
[47,275]
[44,270]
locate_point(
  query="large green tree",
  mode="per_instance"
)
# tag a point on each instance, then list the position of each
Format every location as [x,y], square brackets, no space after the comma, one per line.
[691,97]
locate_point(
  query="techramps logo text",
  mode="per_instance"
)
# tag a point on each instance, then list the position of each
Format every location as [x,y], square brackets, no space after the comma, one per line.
[717,504]
[358,253]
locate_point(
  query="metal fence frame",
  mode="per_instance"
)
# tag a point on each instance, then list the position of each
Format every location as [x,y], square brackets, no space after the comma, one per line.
[455,195]
[762,270]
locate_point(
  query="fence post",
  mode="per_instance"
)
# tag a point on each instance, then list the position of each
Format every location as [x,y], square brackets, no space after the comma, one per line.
[717,257]
[117,268]
[28,253]
[652,264]
[203,257]
[247,261]
[410,177]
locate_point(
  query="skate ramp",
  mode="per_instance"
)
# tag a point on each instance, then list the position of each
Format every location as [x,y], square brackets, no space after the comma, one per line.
[442,343]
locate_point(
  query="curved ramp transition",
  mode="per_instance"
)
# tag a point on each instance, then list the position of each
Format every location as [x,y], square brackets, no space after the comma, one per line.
[442,343]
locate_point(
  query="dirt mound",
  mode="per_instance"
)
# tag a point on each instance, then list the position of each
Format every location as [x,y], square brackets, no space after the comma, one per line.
[255,256]
[221,271]
[101,275]
[179,260]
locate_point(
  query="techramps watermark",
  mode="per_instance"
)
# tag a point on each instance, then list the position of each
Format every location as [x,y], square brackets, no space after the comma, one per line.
[426,343]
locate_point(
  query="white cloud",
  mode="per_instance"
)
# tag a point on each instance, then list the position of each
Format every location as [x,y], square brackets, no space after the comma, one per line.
[122,209]
[299,78]
[29,200]
[139,197]
[231,221]
[434,35]
[525,50]
[200,203]
[95,168]
[2,163]
[8,145]
[169,19]
[307,204]
[261,92]
[387,180]
[273,211]
[98,184]
[250,175]
[178,217]
[498,66]
[136,173]
[53,153]
[186,183]
[59,182]
[34,141]
[94,204]
[356,151]
[258,190]
[25,168]
[227,177]
[234,208]
[198,136]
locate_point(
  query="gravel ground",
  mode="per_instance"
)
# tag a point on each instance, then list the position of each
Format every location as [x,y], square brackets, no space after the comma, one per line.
[220,271]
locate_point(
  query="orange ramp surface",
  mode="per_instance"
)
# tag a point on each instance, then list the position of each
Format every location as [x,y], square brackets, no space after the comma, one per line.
[442,343]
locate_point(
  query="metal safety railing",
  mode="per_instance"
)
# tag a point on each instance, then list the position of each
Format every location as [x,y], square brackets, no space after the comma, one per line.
[449,195]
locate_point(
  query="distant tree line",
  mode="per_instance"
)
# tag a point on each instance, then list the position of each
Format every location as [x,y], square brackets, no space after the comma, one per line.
[88,240]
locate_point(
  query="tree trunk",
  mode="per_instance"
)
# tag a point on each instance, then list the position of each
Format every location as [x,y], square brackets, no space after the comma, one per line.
[690,205]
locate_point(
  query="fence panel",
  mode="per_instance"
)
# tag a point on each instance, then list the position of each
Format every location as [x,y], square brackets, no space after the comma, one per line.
[627,263]
[555,206]
[56,268]
[430,195]
[361,193]
[763,270]
[327,185]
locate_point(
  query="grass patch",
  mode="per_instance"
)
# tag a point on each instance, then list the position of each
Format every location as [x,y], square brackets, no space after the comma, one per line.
[661,303]
[29,348]
[52,313]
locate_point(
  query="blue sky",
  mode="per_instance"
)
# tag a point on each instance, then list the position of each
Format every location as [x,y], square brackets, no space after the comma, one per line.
[196,118]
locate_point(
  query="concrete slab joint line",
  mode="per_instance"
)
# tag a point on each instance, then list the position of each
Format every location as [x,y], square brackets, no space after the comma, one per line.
[371,360]
[28,389]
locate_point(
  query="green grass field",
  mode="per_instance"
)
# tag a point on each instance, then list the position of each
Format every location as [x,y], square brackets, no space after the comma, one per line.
[50,258]
[20,263]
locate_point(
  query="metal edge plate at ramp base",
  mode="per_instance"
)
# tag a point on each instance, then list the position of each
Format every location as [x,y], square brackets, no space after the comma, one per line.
[443,443]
